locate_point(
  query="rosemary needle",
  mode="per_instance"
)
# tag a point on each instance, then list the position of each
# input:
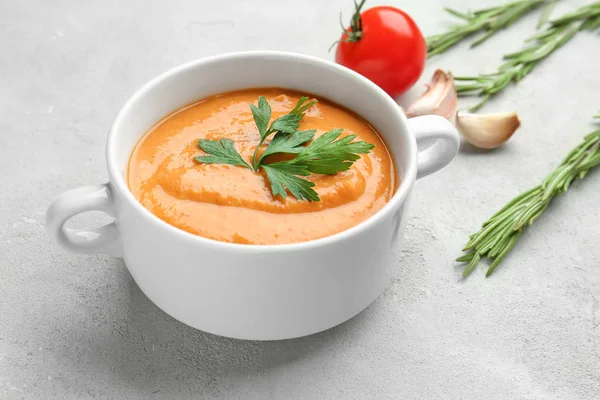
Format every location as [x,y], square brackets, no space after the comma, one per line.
[500,233]
[488,20]
[520,64]
[546,13]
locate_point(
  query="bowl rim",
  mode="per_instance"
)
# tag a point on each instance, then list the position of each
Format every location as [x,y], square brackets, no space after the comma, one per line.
[117,180]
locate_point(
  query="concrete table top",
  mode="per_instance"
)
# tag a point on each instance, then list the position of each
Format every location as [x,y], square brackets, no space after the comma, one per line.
[77,326]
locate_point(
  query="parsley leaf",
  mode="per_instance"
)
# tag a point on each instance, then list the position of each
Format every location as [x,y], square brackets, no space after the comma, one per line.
[262,116]
[220,152]
[302,106]
[290,143]
[287,123]
[282,176]
[326,155]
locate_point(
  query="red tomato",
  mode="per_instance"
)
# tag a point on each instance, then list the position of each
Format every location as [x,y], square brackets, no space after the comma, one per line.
[391,51]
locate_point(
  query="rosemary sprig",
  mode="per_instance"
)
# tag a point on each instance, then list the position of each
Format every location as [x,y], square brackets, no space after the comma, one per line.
[501,232]
[520,64]
[546,14]
[488,20]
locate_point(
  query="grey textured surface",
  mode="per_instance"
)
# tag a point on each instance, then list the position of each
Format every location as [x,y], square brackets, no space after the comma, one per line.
[77,326]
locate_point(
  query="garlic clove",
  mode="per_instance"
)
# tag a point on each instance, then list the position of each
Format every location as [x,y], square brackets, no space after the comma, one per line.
[439,98]
[487,131]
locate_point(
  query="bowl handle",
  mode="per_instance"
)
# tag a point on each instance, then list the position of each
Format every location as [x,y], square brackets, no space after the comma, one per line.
[445,142]
[104,239]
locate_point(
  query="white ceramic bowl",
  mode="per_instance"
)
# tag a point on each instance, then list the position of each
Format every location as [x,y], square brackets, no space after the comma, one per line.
[253,291]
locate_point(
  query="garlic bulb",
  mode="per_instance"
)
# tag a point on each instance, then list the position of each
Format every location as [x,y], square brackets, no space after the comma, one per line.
[439,98]
[487,131]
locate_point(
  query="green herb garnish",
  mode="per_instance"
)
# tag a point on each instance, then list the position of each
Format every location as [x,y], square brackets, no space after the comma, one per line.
[221,152]
[325,155]
[520,64]
[501,232]
[488,20]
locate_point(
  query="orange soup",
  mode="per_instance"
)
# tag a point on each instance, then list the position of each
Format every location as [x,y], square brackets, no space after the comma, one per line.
[234,204]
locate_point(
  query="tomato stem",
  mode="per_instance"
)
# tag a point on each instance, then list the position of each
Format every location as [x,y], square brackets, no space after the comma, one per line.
[354,33]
